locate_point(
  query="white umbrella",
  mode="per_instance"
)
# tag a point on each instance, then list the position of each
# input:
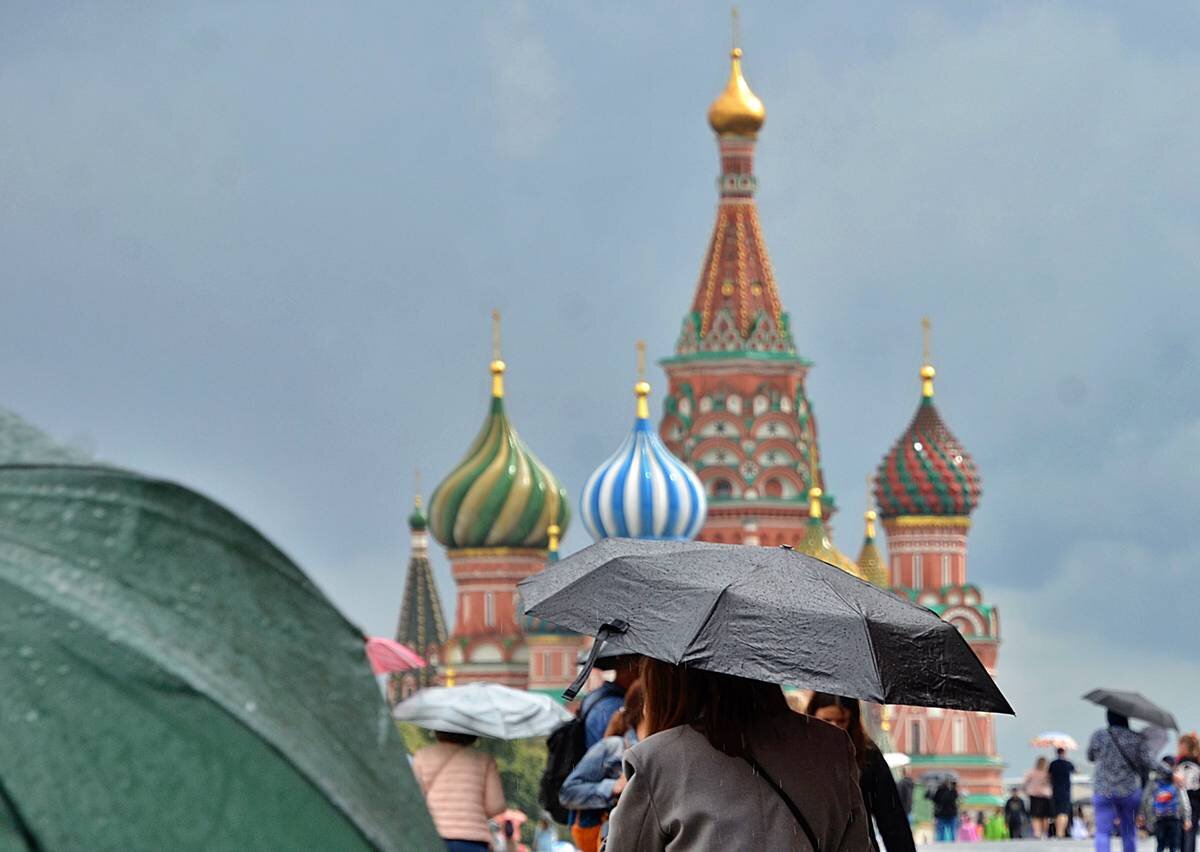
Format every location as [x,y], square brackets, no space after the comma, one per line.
[1054,739]
[484,710]
[896,759]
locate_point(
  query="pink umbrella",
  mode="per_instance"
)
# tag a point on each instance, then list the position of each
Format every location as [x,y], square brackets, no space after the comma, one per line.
[388,655]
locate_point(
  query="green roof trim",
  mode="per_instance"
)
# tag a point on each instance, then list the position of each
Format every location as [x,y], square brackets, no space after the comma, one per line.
[924,760]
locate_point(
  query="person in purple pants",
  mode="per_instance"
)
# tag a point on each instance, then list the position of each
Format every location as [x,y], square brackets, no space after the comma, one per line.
[1122,759]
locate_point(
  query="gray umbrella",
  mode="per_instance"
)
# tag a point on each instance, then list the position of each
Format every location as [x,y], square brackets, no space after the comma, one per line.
[766,614]
[1134,705]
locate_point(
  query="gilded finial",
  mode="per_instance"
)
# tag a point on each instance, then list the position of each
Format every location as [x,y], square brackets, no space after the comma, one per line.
[870,516]
[737,110]
[497,365]
[552,533]
[814,503]
[642,388]
[417,487]
[927,371]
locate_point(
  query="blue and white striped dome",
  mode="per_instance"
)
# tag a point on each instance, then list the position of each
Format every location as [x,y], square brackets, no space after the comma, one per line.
[643,491]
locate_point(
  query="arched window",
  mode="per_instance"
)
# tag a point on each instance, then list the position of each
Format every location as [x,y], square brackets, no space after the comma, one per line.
[722,489]
[773,488]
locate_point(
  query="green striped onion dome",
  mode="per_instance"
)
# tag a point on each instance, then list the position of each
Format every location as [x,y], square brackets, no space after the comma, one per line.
[500,495]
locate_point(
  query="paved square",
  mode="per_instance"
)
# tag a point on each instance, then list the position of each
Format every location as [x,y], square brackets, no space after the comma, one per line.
[1030,846]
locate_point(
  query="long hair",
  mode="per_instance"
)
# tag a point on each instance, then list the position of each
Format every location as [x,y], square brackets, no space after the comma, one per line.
[1040,763]
[630,715]
[858,734]
[721,707]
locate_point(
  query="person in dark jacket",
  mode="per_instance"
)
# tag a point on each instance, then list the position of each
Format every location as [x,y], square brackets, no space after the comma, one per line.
[885,809]
[1015,814]
[945,810]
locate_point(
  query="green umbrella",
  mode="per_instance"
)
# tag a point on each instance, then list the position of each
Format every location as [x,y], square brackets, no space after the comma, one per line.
[170,680]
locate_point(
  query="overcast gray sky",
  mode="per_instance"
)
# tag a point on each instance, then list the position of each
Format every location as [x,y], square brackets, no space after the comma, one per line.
[253,247]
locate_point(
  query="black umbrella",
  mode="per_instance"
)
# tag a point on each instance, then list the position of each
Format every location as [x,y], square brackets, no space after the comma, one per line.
[766,614]
[1134,705]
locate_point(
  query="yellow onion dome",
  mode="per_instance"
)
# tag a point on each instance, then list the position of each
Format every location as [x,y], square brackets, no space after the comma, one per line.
[870,560]
[500,495]
[737,110]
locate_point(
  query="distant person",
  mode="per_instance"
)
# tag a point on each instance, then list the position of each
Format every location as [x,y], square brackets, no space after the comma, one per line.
[1079,826]
[462,790]
[1166,808]
[1015,814]
[1187,770]
[597,781]
[995,828]
[1121,758]
[905,788]
[727,765]
[597,710]
[1060,771]
[881,797]
[545,838]
[1041,807]
[945,810]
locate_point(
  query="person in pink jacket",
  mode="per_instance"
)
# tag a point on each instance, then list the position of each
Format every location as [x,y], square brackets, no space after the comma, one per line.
[462,790]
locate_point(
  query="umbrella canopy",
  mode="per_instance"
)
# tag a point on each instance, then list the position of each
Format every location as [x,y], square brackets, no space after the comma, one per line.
[1054,739]
[771,615]
[484,710]
[171,680]
[388,655]
[1134,705]
[895,759]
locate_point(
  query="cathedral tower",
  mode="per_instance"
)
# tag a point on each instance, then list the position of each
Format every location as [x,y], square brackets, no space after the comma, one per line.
[422,625]
[926,488]
[494,513]
[736,410]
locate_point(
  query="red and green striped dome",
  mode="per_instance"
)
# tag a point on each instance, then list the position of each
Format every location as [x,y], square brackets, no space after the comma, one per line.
[927,472]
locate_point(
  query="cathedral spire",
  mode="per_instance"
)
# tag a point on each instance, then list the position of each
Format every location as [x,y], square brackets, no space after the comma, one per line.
[422,624]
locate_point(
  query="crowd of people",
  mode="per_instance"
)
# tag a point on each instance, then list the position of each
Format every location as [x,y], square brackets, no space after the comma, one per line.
[675,758]
[720,763]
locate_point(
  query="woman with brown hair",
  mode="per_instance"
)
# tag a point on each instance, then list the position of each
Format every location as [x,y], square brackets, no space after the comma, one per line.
[727,765]
[880,796]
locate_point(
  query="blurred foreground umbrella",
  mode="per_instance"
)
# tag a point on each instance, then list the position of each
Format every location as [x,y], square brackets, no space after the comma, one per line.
[170,680]
[767,614]
[1134,705]
[484,710]
[1054,739]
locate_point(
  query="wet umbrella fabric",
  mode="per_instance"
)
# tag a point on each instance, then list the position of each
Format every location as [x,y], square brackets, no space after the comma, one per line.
[1134,705]
[766,614]
[171,680]
[483,710]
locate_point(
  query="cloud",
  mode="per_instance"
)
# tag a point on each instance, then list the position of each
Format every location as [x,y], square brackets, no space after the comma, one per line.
[527,82]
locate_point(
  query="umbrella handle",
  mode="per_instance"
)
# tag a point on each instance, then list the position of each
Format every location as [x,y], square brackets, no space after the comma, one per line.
[609,628]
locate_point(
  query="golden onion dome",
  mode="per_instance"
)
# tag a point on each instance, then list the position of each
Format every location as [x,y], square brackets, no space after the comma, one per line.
[737,110]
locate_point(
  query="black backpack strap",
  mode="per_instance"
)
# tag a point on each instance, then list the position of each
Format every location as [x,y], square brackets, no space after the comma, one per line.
[787,800]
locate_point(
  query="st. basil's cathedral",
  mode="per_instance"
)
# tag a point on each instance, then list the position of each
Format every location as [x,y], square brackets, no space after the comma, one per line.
[735,459]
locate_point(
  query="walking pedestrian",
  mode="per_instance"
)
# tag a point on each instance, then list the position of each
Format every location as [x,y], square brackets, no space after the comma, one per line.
[727,765]
[1187,768]
[945,810]
[1060,771]
[885,808]
[1037,788]
[597,781]
[905,788]
[597,710]
[1122,759]
[1015,814]
[1166,808]
[462,790]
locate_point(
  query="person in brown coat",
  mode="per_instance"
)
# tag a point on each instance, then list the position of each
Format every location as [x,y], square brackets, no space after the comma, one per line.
[728,765]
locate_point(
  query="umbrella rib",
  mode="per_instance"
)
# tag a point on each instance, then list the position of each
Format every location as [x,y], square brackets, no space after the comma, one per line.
[866,632]
[708,615]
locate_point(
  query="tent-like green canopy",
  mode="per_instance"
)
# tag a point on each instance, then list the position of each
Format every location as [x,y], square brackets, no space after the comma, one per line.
[170,680]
